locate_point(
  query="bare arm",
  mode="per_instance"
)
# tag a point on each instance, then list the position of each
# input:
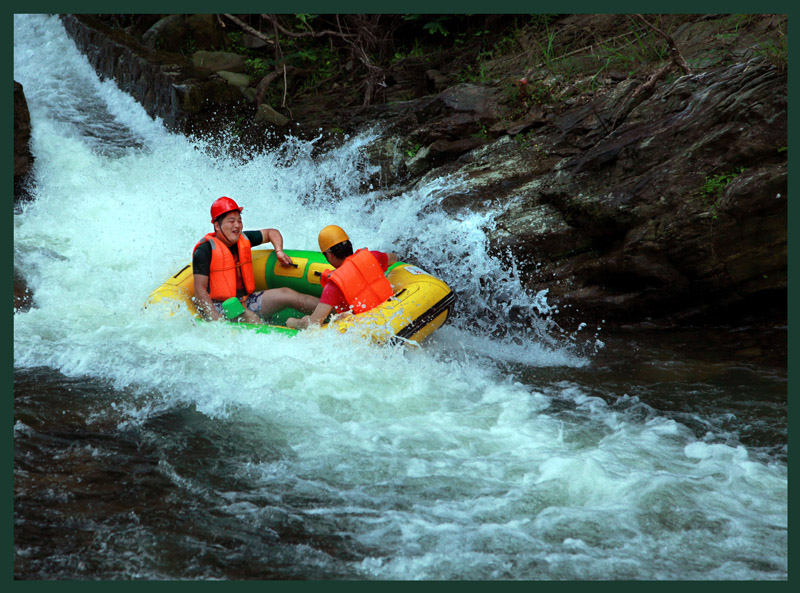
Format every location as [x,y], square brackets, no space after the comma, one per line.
[319,315]
[274,236]
[392,257]
[203,300]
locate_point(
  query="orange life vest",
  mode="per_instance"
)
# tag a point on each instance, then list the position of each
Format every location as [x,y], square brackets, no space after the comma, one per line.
[223,280]
[361,280]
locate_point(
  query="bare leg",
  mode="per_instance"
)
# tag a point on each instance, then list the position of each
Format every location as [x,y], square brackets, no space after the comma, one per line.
[275,299]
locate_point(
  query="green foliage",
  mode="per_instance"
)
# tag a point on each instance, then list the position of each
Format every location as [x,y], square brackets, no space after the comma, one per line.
[305,21]
[258,67]
[434,24]
[775,51]
[546,46]
[481,133]
[521,95]
[527,141]
[189,47]
[436,27]
[494,47]
[416,51]
[539,92]
[412,152]
[715,184]
[238,126]
[508,43]
[741,20]
[473,73]
[542,20]
[637,48]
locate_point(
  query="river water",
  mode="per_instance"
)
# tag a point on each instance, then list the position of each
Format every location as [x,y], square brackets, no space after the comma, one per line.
[150,448]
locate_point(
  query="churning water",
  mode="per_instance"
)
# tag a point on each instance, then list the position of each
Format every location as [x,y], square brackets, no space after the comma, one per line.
[147,447]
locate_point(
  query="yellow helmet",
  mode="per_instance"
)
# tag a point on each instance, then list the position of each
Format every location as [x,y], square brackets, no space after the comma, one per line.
[331,235]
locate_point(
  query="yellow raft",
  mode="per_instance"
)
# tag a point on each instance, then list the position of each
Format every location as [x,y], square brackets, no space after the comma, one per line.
[420,305]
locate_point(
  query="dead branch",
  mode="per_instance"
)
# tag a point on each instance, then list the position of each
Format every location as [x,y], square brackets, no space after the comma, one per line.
[675,55]
[274,21]
[648,84]
[375,74]
[249,29]
[263,86]
[676,61]
[362,34]
[285,87]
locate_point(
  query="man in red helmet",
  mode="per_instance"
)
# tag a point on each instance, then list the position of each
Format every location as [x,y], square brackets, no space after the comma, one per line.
[223,268]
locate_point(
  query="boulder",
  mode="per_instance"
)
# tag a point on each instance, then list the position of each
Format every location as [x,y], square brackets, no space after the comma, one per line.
[205,32]
[176,32]
[169,34]
[241,82]
[23,158]
[235,79]
[219,60]
[267,114]
[252,42]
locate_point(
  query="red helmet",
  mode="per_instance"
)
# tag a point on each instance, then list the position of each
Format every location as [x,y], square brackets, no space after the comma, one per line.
[221,206]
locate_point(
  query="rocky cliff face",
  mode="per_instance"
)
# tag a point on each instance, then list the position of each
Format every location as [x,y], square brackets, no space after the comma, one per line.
[640,205]
[677,214]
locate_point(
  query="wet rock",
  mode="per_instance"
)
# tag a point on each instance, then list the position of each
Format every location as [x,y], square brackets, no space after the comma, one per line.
[169,33]
[178,31]
[23,158]
[234,78]
[219,60]
[205,32]
[241,82]
[605,203]
[23,299]
[479,99]
[437,81]
[252,42]
[267,114]
[630,231]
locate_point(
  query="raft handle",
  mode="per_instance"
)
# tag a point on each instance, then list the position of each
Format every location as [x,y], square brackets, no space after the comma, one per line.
[182,270]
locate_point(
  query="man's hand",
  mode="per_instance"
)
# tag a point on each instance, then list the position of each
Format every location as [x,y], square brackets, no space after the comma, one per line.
[296,323]
[285,260]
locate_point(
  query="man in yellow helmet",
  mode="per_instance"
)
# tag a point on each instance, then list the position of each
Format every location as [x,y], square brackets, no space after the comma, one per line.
[356,285]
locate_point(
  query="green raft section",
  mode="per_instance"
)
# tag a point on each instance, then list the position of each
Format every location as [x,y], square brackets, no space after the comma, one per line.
[302,277]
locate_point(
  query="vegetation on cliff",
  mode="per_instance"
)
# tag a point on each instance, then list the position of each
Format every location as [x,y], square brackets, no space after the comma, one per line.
[302,63]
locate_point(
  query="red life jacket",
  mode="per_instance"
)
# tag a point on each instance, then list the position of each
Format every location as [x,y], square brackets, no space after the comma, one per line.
[361,280]
[223,280]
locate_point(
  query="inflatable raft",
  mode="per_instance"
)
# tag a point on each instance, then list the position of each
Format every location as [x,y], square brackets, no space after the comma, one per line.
[420,305]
